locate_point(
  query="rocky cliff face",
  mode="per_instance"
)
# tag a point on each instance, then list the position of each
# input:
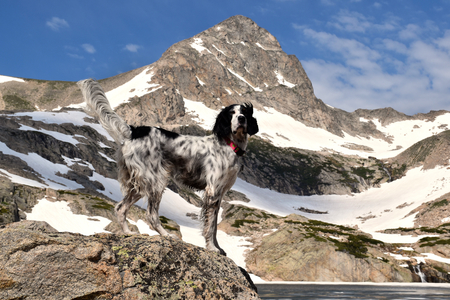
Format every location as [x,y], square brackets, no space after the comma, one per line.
[295,248]
[36,262]
[429,153]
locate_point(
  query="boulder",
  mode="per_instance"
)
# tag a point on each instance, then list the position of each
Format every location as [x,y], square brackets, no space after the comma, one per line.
[43,264]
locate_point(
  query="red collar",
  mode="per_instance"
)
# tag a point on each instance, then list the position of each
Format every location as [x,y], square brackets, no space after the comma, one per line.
[234,147]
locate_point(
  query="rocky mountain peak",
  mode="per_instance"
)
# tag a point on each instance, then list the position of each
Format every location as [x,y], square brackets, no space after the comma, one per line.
[239,29]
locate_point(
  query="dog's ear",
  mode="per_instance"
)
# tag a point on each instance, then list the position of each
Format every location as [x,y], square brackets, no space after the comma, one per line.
[252,124]
[222,127]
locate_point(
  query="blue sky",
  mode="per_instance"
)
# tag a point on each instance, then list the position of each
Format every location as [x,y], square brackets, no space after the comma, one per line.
[357,53]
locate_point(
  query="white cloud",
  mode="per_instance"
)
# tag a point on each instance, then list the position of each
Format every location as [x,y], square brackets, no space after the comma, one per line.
[375,73]
[410,32]
[88,48]
[73,55]
[444,42]
[132,47]
[56,24]
[351,21]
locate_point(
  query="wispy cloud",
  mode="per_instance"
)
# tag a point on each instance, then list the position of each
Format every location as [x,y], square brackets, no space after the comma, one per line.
[77,56]
[351,21]
[404,74]
[56,24]
[88,48]
[132,47]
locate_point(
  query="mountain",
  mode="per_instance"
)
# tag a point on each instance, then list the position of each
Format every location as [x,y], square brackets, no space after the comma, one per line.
[368,170]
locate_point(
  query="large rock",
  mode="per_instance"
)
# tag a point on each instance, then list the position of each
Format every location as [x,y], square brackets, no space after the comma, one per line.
[43,264]
[311,250]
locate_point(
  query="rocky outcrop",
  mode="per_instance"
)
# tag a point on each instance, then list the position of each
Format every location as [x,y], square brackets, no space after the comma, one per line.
[35,94]
[429,153]
[89,148]
[38,263]
[303,172]
[15,199]
[308,250]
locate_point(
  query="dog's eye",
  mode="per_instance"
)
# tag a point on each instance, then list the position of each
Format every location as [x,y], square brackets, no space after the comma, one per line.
[232,112]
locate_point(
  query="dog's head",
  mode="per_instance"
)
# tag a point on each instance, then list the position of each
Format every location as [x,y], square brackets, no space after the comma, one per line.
[236,119]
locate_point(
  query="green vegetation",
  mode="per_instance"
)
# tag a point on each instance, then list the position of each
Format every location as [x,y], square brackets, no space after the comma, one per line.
[16,102]
[439,204]
[53,84]
[3,209]
[102,204]
[432,241]
[64,192]
[165,223]
[363,172]
[239,223]
[354,246]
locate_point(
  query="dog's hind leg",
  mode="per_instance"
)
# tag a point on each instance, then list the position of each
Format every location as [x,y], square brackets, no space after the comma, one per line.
[122,210]
[154,199]
[210,212]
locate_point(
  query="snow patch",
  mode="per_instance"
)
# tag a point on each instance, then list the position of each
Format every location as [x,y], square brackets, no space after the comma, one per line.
[257,89]
[58,215]
[259,45]
[219,50]
[199,81]
[283,81]
[198,45]
[136,87]
[4,79]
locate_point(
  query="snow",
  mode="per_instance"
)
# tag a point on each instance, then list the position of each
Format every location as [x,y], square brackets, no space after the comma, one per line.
[58,215]
[283,81]
[76,118]
[259,45]
[4,79]
[46,169]
[436,258]
[199,81]
[22,180]
[219,50]
[138,86]
[198,45]
[57,135]
[257,89]
[345,210]
[285,131]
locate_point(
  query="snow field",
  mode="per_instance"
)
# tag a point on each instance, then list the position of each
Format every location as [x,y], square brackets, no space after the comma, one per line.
[284,131]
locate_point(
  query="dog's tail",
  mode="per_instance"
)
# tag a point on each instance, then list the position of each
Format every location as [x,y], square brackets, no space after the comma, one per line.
[97,105]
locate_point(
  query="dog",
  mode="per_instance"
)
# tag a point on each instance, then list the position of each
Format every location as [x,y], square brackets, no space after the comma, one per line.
[148,157]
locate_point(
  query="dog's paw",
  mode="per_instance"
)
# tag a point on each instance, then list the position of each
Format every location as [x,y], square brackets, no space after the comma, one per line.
[129,232]
[217,250]
[174,236]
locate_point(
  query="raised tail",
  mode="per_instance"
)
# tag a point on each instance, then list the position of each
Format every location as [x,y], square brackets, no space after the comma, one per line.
[97,105]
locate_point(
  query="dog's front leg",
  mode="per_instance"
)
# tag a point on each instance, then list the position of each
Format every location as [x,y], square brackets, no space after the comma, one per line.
[153,216]
[122,210]
[210,212]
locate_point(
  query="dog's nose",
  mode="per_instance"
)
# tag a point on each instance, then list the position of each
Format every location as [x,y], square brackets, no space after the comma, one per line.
[241,119]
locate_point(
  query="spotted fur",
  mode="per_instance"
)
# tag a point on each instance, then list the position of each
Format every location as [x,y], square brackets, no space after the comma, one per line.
[148,157]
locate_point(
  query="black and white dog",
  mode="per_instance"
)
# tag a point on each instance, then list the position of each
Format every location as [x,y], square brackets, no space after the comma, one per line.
[148,157]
